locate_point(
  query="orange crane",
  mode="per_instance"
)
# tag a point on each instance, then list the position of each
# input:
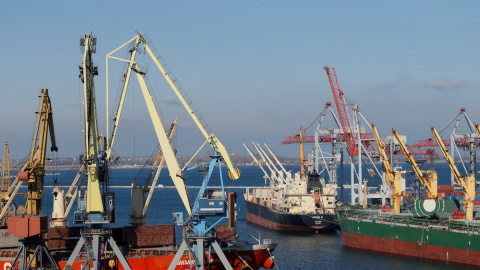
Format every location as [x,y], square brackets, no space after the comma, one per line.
[477,129]
[466,183]
[302,155]
[430,185]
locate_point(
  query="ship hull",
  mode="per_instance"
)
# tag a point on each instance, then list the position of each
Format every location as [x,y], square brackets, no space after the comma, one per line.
[254,256]
[266,217]
[411,237]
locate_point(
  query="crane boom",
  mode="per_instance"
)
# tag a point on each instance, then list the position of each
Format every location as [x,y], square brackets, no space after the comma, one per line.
[467,184]
[431,186]
[258,163]
[234,173]
[393,178]
[342,111]
[168,153]
[381,148]
[477,129]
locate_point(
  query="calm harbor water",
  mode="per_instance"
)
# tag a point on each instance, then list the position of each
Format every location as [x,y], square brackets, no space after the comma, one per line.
[295,250]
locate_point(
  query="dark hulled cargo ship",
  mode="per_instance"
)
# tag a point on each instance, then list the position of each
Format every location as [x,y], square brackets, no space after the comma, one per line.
[297,205]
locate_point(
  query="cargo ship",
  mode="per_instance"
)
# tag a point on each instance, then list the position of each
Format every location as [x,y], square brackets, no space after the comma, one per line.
[433,228]
[299,203]
[441,237]
[151,247]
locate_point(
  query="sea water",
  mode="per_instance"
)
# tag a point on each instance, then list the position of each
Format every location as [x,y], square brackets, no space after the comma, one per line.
[295,250]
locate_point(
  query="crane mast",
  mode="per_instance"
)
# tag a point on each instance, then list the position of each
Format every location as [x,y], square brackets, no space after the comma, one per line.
[393,178]
[431,185]
[302,155]
[467,183]
[5,182]
[94,202]
[91,209]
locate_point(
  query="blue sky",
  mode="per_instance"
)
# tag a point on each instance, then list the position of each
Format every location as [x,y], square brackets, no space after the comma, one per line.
[254,69]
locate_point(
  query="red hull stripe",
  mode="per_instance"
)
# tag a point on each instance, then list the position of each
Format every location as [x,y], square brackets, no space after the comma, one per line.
[411,249]
[254,258]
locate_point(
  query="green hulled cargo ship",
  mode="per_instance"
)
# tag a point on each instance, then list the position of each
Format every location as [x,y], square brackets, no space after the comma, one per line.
[436,236]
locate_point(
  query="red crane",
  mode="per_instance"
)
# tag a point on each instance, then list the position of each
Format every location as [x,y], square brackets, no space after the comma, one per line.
[342,111]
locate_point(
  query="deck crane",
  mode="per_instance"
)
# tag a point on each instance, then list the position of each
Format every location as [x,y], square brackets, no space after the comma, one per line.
[272,180]
[273,169]
[430,185]
[96,209]
[466,183]
[393,178]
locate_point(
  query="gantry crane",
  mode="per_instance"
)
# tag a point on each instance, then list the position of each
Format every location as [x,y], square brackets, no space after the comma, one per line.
[430,185]
[5,180]
[97,209]
[30,227]
[200,234]
[342,111]
[173,167]
[33,172]
[466,183]
[393,178]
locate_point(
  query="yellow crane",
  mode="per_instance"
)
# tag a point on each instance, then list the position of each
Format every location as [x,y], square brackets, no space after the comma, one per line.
[430,185]
[393,178]
[33,251]
[97,209]
[477,129]
[172,164]
[466,183]
[5,181]
[35,168]
[302,156]
[234,173]
[33,172]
